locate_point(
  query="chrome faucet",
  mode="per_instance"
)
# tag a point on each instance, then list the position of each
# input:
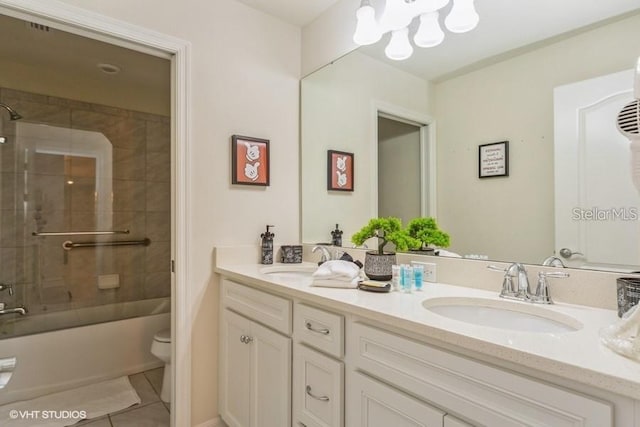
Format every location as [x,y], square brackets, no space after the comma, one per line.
[15,310]
[326,254]
[522,291]
[553,261]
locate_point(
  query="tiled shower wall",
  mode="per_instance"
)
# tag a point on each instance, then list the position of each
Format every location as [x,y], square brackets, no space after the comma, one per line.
[44,192]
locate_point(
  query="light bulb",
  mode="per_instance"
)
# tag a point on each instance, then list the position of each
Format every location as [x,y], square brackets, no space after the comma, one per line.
[396,15]
[429,33]
[463,17]
[367,31]
[399,47]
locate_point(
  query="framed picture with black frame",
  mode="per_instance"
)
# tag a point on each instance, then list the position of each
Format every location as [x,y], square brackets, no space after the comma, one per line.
[493,160]
[339,171]
[249,160]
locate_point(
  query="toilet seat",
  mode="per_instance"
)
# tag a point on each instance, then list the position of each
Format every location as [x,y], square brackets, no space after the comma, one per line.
[163,336]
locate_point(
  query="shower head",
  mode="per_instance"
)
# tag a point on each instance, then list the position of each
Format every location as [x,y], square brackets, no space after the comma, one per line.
[13,114]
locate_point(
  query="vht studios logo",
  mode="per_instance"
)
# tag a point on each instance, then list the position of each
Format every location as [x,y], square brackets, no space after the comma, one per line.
[599,214]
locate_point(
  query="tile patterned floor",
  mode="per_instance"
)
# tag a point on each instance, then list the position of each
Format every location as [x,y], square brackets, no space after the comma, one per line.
[151,412]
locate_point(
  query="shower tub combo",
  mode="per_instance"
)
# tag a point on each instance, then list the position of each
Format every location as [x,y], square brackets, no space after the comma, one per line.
[80,309]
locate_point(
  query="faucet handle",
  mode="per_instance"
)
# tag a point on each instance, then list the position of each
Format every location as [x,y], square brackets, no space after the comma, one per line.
[4,287]
[543,295]
[508,288]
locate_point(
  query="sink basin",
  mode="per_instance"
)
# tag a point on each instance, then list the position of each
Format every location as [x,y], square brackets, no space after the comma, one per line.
[502,314]
[289,272]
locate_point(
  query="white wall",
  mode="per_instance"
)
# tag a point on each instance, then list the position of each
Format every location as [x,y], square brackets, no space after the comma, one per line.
[338,113]
[245,80]
[330,36]
[513,100]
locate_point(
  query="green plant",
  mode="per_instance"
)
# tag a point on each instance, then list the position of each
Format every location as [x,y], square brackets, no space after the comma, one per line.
[427,232]
[387,230]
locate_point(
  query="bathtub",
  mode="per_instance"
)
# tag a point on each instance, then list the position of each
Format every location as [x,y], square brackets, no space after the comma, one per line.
[65,356]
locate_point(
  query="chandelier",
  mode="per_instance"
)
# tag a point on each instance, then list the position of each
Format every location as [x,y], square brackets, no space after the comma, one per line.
[398,15]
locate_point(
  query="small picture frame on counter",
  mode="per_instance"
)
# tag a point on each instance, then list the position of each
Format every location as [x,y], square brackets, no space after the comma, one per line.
[493,160]
[291,254]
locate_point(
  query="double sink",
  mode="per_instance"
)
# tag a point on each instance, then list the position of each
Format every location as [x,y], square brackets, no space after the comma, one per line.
[487,312]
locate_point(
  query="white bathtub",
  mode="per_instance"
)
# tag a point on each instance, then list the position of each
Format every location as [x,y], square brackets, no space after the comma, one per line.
[67,358]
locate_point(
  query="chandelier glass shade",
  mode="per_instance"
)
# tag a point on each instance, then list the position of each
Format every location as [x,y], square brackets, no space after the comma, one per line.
[398,15]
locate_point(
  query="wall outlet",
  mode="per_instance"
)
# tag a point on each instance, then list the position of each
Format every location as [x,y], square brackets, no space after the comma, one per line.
[108,281]
[429,270]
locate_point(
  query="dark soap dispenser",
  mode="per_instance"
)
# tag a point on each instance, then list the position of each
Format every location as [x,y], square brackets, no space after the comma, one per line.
[267,246]
[336,237]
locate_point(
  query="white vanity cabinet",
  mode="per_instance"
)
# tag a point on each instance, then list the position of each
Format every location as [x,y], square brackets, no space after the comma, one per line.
[318,371]
[288,361]
[486,395]
[255,360]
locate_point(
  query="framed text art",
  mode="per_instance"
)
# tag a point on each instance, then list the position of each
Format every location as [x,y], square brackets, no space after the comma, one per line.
[493,160]
[249,160]
[339,171]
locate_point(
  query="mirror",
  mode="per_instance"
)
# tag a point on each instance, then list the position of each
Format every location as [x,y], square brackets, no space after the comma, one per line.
[511,98]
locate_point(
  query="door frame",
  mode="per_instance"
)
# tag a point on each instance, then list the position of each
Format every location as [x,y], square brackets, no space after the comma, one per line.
[427,125]
[100,27]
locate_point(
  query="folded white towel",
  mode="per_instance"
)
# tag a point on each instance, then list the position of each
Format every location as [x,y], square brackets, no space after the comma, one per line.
[442,252]
[332,283]
[337,274]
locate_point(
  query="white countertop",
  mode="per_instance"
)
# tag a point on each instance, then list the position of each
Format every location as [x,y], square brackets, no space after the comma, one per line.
[577,356]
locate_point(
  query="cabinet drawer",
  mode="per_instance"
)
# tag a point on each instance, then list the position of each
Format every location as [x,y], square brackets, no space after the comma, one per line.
[481,393]
[268,309]
[318,384]
[320,329]
[374,404]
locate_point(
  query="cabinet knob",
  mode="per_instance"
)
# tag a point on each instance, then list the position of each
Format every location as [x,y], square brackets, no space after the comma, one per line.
[245,339]
[320,398]
[322,331]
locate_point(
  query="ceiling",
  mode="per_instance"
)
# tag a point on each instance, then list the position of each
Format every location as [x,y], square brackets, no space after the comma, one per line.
[63,56]
[505,26]
[296,12]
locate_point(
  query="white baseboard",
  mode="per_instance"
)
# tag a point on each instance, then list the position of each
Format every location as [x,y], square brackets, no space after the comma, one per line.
[216,422]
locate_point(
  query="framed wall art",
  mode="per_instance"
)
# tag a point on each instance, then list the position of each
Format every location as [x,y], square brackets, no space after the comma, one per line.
[249,160]
[339,171]
[493,160]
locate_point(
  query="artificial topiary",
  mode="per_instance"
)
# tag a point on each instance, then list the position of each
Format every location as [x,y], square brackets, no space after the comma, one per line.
[426,231]
[386,230]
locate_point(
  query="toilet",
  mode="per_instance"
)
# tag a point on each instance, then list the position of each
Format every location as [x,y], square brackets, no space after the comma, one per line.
[161,348]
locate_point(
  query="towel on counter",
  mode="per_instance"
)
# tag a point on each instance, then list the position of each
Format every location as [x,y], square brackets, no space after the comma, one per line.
[337,274]
[442,252]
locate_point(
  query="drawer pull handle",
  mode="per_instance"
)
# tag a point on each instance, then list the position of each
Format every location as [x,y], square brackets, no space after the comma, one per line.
[323,331]
[321,398]
[245,339]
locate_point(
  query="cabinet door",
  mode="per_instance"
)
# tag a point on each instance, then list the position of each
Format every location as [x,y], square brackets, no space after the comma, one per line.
[318,384]
[235,375]
[271,378]
[373,404]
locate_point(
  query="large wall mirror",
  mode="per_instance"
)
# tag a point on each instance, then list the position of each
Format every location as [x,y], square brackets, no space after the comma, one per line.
[416,136]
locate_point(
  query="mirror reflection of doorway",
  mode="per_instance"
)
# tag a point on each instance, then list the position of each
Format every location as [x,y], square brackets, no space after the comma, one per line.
[401,187]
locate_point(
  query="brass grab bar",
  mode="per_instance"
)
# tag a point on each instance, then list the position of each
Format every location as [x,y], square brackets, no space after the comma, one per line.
[68,245]
[78,233]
